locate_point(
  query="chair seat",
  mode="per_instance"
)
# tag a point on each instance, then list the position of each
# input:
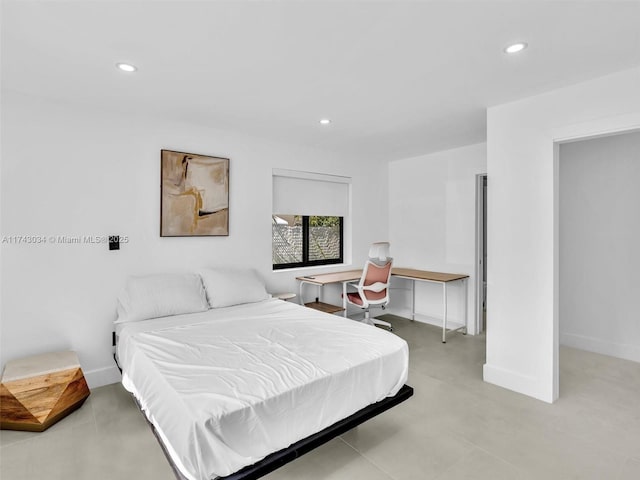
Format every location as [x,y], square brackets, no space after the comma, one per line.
[354,297]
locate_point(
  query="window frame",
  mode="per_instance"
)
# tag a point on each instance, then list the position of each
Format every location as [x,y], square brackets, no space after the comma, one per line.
[305,247]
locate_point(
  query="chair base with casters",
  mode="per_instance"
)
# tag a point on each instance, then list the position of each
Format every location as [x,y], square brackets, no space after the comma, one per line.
[375,321]
[354,299]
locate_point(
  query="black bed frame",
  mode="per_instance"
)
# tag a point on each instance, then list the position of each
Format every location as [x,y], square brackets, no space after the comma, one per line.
[286,455]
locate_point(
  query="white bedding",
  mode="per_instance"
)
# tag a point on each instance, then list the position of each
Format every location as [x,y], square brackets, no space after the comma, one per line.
[226,387]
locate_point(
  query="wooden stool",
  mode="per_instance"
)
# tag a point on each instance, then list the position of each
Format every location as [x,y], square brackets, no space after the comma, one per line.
[38,391]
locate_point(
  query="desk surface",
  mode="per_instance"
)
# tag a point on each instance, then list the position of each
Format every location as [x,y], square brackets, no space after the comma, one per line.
[426,275]
[339,277]
[336,277]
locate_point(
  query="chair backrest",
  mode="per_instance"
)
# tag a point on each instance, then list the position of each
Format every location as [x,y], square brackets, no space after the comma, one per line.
[375,281]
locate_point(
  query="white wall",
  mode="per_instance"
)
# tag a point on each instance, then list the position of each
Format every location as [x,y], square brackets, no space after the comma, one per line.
[599,238]
[72,171]
[522,313]
[432,201]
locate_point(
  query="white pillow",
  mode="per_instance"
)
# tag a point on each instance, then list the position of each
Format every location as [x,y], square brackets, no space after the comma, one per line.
[161,295]
[232,286]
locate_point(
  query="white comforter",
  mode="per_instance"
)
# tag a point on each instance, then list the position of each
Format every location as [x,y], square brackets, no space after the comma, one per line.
[226,387]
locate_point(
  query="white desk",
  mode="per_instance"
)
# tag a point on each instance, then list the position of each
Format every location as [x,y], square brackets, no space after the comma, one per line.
[407,273]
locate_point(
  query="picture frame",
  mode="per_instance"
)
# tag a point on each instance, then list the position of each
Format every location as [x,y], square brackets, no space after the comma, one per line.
[194,195]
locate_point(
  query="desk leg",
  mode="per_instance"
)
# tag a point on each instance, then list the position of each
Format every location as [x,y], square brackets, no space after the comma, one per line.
[302,282]
[344,299]
[413,300]
[466,294]
[444,317]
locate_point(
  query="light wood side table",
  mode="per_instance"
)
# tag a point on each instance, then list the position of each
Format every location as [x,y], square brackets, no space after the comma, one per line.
[38,391]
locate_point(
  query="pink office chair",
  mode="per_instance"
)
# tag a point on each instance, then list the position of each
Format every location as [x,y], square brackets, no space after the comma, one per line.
[373,288]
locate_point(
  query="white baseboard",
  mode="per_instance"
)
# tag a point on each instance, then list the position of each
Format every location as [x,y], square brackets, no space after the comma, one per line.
[619,350]
[102,376]
[517,382]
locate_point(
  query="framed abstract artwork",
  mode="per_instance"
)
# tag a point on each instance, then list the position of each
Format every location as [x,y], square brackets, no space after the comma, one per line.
[194,198]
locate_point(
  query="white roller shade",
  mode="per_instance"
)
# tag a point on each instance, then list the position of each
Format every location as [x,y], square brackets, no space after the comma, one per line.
[303,193]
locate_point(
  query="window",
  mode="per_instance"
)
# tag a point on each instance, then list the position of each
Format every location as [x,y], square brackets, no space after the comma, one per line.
[307,223]
[306,240]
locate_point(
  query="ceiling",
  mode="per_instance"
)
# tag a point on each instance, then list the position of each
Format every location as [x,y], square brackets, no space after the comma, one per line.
[396,78]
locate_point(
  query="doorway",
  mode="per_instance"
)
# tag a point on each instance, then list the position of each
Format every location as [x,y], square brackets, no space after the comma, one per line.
[481,253]
[599,228]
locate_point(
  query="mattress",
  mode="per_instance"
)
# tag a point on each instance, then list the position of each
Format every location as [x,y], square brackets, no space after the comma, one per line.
[226,387]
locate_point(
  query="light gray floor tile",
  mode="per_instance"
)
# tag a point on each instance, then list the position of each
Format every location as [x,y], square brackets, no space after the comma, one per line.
[479,465]
[551,454]
[333,461]
[407,449]
[13,461]
[630,470]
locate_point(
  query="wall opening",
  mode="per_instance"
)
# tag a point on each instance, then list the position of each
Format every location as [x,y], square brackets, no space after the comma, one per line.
[598,234]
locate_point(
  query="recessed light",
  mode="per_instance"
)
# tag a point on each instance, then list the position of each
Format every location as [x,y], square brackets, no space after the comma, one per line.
[516,47]
[126,67]
[325,121]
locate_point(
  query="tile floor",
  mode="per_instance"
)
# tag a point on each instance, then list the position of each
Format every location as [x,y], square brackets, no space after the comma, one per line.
[456,427]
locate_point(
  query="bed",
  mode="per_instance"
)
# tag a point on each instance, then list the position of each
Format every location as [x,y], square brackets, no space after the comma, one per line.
[237,390]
